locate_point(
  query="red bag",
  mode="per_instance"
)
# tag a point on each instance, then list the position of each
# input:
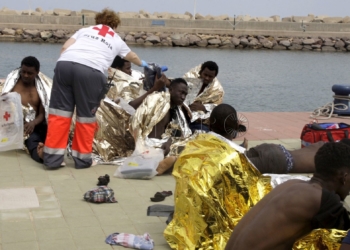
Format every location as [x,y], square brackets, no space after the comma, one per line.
[315,132]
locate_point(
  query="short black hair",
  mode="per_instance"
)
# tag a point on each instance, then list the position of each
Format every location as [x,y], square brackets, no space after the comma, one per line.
[332,157]
[31,61]
[223,119]
[346,141]
[177,81]
[118,62]
[211,66]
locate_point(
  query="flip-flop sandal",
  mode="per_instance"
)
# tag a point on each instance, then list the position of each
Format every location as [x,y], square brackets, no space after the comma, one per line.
[160,196]
[157,198]
[167,193]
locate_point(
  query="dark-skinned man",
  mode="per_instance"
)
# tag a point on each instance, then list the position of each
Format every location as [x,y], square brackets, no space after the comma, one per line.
[34,88]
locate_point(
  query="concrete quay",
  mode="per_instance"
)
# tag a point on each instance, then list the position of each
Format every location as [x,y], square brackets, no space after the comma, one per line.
[63,220]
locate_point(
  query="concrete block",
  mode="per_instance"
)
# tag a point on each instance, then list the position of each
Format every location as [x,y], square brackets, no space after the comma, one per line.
[189,14]
[62,11]
[346,20]
[299,19]
[264,19]
[8,12]
[199,16]
[84,11]
[286,19]
[276,18]
[332,19]
[36,13]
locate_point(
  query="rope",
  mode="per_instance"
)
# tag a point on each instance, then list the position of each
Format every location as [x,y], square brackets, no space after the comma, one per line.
[328,109]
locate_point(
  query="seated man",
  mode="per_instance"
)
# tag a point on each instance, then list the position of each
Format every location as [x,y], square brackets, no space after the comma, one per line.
[296,207]
[125,66]
[209,94]
[122,65]
[160,117]
[34,88]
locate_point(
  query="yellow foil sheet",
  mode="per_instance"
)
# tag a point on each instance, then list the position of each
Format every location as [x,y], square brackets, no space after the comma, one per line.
[215,187]
[325,239]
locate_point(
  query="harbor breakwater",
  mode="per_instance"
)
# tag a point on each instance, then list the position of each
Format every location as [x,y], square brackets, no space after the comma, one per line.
[316,33]
[224,41]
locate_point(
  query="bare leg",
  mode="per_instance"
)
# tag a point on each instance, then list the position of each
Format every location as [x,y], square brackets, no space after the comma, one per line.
[245,143]
[40,150]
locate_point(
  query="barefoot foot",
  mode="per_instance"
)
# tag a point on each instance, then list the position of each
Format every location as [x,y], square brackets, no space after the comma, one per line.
[40,150]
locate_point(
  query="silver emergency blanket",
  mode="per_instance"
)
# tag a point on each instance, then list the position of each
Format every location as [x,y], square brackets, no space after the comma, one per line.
[43,85]
[211,96]
[113,141]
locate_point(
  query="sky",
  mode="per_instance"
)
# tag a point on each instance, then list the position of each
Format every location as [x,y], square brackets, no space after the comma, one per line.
[254,8]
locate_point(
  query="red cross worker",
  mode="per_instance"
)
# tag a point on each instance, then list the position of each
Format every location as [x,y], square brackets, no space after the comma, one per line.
[79,82]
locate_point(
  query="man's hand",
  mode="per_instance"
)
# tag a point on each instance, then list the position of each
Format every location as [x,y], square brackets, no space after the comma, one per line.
[166,147]
[197,106]
[159,83]
[29,127]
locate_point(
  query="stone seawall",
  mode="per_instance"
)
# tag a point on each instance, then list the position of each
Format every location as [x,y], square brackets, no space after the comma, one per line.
[191,40]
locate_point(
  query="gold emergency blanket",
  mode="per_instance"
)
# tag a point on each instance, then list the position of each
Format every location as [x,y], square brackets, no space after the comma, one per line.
[113,140]
[211,96]
[325,239]
[215,187]
[125,86]
[152,110]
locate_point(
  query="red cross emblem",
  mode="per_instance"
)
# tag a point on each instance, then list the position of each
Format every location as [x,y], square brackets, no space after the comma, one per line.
[104,31]
[7,116]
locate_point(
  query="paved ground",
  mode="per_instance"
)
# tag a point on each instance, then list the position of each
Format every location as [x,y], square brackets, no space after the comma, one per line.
[65,221]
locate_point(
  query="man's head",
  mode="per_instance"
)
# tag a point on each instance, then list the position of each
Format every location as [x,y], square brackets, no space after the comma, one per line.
[224,121]
[122,65]
[209,70]
[178,90]
[30,68]
[107,17]
[332,164]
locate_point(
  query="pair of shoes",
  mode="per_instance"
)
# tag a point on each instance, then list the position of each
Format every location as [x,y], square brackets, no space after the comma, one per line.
[160,196]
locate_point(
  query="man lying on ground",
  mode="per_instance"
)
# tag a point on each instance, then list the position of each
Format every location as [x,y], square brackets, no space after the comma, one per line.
[207,94]
[267,157]
[296,207]
[35,89]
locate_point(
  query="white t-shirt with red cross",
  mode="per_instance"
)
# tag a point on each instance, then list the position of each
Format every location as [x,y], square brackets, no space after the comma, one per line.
[96,47]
